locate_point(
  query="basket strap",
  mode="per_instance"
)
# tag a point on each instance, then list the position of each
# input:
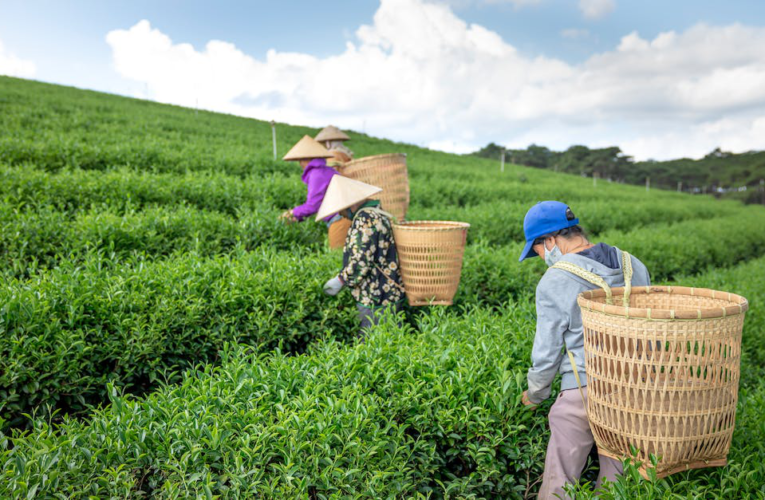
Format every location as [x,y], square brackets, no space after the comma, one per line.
[578,380]
[390,280]
[379,211]
[627,270]
[600,282]
[587,276]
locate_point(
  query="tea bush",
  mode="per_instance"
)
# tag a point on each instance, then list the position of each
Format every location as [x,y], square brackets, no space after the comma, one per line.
[436,413]
[64,334]
[45,238]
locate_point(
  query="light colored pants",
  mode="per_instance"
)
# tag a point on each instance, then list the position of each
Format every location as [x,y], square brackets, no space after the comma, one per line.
[570,443]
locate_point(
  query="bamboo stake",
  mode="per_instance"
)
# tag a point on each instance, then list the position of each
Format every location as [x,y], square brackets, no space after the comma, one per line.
[273,136]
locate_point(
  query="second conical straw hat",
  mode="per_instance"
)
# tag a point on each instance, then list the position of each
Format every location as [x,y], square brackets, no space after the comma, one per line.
[342,193]
[332,133]
[307,149]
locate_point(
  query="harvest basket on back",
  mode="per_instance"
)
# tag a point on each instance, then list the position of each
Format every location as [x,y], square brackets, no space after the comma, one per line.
[663,369]
[388,172]
[430,254]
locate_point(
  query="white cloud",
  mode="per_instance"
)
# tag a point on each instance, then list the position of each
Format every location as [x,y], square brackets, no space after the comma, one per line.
[10,65]
[596,9]
[428,77]
[459,4]
[575,33]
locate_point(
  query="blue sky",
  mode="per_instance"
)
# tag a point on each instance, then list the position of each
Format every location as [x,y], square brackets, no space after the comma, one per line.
[537,44]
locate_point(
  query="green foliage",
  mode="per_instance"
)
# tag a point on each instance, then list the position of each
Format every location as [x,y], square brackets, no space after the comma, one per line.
[143,268]
[64,334]
[435,413]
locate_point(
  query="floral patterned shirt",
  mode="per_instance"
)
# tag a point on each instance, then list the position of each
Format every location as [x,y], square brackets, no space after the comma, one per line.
[370,260]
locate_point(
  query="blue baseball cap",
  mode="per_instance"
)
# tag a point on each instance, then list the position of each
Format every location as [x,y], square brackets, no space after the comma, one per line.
[544,218]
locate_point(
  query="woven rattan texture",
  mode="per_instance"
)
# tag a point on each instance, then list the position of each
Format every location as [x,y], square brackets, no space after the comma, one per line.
[388,172]
[665,387]
[430,254]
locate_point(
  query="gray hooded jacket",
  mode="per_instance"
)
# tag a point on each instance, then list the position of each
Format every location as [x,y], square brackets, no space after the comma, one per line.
[559,321]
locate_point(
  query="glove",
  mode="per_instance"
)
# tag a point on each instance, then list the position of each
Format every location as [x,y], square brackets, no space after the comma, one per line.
[333,286]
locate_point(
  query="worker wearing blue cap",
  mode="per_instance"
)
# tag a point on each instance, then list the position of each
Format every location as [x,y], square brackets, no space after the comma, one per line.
[553,233]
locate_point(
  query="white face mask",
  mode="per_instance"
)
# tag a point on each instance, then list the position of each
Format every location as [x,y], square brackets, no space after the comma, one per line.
[552,256]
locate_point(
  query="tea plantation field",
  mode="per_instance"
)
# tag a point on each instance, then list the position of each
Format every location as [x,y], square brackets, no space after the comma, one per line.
[163,335]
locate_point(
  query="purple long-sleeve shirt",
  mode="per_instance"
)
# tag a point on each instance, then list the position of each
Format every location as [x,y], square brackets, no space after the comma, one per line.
[316,176]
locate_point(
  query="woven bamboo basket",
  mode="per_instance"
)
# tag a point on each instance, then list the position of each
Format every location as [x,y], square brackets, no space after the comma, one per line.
[430,254]
[388,172]
[663,373]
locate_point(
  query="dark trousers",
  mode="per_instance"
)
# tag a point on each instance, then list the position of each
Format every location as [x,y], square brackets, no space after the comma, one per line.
[369,317]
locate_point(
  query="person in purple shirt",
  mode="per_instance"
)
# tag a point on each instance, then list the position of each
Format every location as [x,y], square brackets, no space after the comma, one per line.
[316,176]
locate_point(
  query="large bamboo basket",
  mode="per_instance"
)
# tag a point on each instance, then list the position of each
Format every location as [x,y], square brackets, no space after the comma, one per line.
[663,373]
[430,254]
[387,172]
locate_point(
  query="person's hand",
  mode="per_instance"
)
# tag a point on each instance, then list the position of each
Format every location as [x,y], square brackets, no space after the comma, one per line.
[333,286]
[526,401]
[287,217]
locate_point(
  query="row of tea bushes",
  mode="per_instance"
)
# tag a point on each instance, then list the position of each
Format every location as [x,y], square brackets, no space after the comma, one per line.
[44,220]
[124,189]
[399,416]
[44,238]
[696,245]
[500,222]
[128,320]
[403,415]
[65,333]
[56,127]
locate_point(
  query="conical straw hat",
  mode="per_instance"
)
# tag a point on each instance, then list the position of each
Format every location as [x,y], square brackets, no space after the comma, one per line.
[332,133]
[343,192]
[307,149]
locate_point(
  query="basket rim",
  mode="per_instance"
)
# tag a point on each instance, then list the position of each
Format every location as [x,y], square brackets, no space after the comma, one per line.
[373,157]
[420,225]
[739,304]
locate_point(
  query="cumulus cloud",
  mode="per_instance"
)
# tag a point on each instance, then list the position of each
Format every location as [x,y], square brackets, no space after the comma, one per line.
[10,65]
[596,9]
[430,78]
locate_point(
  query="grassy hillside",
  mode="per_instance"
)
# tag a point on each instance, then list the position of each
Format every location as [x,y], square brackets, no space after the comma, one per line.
[144,270]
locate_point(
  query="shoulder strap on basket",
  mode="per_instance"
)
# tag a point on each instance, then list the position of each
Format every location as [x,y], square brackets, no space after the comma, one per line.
[578,380]
[379,211]
[600,282]
[587,276]
[627,270]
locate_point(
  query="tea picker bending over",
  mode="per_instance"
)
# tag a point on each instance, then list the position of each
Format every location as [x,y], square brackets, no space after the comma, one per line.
[334,140]
[553,233]
[316,176]
[370,260]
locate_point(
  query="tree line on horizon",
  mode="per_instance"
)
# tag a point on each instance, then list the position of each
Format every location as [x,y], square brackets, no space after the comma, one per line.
[721,173]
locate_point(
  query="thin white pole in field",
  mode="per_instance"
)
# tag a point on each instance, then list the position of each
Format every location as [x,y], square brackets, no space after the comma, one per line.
[273,136]
[502,163]
[647,184]
[594,179]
